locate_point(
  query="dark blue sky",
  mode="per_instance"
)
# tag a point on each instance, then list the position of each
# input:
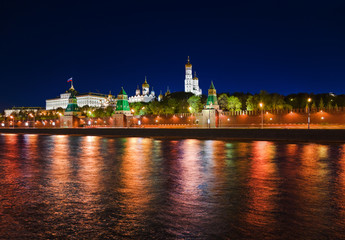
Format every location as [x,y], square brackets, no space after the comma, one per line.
[278,46]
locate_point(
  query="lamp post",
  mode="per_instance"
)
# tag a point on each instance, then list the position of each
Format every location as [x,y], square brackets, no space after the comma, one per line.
[190,109]
[12,120]
[31,115]
[209,119]
[262,114]
[309,100]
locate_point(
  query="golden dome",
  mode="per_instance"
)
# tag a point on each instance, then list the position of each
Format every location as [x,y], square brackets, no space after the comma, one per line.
[188,64]
[195,77]
[145,84]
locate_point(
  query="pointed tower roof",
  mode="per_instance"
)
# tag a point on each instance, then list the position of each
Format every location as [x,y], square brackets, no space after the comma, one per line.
[188,63]
[212,101]
[122,105]
[212,86]
[195,77]
[122,92]
[145,84]
[167,92]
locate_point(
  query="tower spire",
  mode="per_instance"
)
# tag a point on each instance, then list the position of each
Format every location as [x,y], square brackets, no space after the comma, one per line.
[188,59]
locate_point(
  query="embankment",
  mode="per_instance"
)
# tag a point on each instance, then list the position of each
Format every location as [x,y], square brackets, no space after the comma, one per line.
[304,135]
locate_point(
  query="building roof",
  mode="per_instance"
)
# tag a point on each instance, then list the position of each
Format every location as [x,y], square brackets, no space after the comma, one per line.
[212,86]
[145,84]
[188,64]
[195,77]
[85,94]
[122,92]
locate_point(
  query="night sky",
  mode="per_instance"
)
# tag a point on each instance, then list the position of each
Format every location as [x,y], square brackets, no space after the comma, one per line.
[243,46]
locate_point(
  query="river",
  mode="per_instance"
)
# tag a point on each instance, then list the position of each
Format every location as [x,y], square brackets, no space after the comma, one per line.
[89,187]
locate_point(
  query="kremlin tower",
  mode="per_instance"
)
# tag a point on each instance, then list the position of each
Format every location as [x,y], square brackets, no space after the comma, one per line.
[191,84]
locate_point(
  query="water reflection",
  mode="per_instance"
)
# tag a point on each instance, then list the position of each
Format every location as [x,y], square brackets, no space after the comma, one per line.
[142,188]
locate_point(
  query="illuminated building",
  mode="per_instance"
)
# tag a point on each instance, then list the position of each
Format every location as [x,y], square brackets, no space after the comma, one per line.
[89,99]
[17,110]
[210,115]
[191,84]
[212,102]
[122,105]
[146,96]
[123,115]
[72,112]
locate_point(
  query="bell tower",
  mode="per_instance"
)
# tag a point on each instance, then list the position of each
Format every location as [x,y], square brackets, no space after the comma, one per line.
[188,82]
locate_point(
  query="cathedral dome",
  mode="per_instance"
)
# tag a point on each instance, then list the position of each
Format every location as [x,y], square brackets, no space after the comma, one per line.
[195,77]
[188,64]
[145,84]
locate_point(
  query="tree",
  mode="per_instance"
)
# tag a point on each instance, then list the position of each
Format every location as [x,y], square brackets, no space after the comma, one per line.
[234,103]
[251,103]
[109,111]
[170,106]
[313,106]
[223,101]
[99,112]
[329,105]
[194,104]
[321,104]
[277,101]
[155,108]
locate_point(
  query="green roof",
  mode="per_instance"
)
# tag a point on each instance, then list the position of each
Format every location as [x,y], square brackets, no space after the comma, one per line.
[72,107]
[122,105]
[72,104]
[212,86]
[122,92]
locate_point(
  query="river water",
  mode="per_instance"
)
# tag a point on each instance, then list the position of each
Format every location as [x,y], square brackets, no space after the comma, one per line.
[88,187]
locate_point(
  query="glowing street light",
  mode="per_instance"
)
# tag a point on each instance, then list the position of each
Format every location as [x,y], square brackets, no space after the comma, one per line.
[33,116]
[309,100]
[262,114]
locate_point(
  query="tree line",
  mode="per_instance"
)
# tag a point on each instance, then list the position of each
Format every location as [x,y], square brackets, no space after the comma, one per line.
[181,102]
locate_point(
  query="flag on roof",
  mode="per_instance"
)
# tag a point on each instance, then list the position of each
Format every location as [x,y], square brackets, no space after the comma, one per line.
[69,80]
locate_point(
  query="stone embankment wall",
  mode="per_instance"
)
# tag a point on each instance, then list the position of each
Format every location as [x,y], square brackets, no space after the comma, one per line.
[223,119]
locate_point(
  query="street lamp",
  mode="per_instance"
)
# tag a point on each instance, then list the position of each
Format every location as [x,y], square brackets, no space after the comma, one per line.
[309,100]
[190,109]
[262,114]
[12,120]
[31,115]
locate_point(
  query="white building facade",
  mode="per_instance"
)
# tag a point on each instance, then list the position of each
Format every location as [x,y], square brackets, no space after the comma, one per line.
[191,84]
[146,96]
[95,100]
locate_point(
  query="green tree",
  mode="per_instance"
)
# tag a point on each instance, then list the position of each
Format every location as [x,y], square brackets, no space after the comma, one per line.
[234,103]
[321,104]
[276,101]
[99,112]
[313,106]
[223,101]
[155,108]
[194,104]
[251,103]
[329,105]
[109,111]
[170,106]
